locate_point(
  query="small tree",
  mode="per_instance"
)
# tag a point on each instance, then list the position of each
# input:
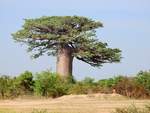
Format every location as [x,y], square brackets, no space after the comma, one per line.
[50,84]
[3,85]
[66,37]
[6,87]
[24,82]
[143,78]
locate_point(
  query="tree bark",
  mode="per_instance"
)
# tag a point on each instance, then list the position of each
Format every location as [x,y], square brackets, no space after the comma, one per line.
[64,62]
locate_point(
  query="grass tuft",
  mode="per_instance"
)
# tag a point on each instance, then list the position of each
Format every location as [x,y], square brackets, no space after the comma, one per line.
[133,109]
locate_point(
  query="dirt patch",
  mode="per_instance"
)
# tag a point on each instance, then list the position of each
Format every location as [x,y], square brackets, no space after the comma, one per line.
[92,103]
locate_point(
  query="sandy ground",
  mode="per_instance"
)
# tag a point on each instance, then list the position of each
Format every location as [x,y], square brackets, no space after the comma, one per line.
[93,103]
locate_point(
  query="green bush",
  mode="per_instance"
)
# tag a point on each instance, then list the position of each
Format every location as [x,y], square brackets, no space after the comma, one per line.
[78,88]
[109,83]
[7,87]
[86,86]
[88,81]
[128,87]
[11,87]
[143,78]
[24,83]
[50,85]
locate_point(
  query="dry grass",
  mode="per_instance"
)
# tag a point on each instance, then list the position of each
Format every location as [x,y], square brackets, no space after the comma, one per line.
[92,103]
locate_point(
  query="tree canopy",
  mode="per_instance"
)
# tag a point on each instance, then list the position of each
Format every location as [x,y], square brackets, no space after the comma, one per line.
[50,34]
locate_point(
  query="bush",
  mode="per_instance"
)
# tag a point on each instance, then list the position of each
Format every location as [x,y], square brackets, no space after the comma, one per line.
[50,85]
[24,83]
[85,86]
[107,85]
[7,87]
[143,78]
[78,88]
[128,87]
[88,81]
[11,87]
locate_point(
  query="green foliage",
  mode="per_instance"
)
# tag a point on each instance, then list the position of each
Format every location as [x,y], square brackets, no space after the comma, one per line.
[85,86]
[88,80]
[4,85]
[15,86]
[79,88]
[128,87]
[24,83]
[110,83]
[106,82]
[50,85]
[143,78]
[7,87]
[51,34]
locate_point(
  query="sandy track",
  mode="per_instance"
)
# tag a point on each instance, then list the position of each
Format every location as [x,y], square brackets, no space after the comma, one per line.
[96,103]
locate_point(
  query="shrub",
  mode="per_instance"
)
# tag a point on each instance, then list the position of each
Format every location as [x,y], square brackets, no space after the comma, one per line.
[7,87]
[85,86]
[24,83]
[50,85]
[78,88]
[88,80]
[109,83]
[143,78]
[128,87]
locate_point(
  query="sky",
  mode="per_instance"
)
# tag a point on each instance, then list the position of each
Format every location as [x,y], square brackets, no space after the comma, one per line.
[126,26]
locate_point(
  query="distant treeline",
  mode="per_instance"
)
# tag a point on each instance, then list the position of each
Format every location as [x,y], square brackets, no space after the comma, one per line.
[49,84]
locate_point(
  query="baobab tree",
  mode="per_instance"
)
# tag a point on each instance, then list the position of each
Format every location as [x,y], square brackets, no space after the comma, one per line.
[66,37]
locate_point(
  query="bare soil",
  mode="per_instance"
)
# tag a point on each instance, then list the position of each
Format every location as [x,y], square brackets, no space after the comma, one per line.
[92,103]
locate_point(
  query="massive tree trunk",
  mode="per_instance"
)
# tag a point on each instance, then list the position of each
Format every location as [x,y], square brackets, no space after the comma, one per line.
[64,62]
